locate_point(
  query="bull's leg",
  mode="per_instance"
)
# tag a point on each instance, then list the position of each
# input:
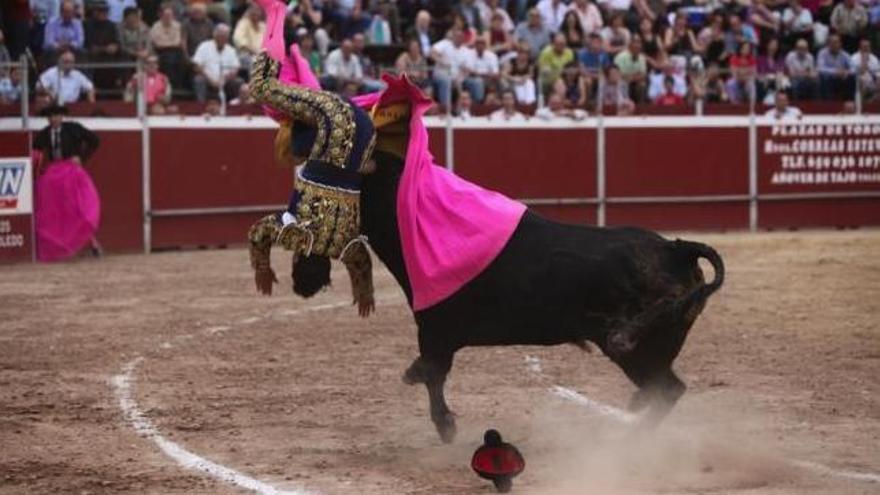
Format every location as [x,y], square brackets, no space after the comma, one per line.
[432,372]
[659,394]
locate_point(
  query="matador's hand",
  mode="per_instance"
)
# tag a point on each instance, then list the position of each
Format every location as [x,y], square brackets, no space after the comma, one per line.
[366,306]
[264,280]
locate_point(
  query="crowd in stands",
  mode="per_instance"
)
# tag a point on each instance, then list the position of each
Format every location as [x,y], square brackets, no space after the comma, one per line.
[502,53]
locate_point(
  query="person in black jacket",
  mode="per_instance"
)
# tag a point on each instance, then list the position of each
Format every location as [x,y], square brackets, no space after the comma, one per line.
[61,140]
[65,145]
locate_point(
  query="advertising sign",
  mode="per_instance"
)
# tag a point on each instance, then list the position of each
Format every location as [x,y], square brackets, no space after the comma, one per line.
[16,210]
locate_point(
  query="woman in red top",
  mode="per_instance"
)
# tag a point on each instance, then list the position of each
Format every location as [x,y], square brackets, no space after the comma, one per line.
[743,68]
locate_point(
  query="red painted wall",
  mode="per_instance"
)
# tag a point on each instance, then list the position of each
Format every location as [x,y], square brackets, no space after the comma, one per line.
[207,168]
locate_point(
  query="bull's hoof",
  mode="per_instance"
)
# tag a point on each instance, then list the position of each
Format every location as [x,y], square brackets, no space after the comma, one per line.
[446,427]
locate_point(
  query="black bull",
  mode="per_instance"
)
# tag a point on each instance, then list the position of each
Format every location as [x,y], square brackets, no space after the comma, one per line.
[629,291]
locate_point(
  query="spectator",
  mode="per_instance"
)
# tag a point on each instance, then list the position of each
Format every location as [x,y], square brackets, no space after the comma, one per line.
[797,23]
[379,31]
[450,57]
[711,42]
[63,83]
[371,81]
[311,16]
[508,111]
[64,32]
[463,106]
[197,28]
[166,37]
[117,8]
[556,109]
[743,67]
[572,87]
[483,70]
[771,69]
[10,87]
[651,10]
[470,34]
[592,57]
[615,37]
[26,23]
[553,13]
[341,67]
[575,37]
[849,20]
[248,36]
[414,64]
[657,82]
[781,109]
[679,39]
[102,43]
[652,45]
[765,20]
[709,86]
[867,69]
[518,75]
[500,39]
[836,80]
[633,67]
[616,92]
[669,96]
[471,14]
[422,32]
[134,36]
[347,16]
[801,67]
[533,32]
[216,66]
[243,97]
[588,14]
[157,87]
[738,33]
[489,9]
[5,58]
[552,61]
[309,52]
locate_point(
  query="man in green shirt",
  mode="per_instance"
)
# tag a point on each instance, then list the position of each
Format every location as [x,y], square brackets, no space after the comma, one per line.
[634,68]
[553,59]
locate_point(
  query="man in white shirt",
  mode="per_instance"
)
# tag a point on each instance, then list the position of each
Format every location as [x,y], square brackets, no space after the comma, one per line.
[482,66]
[64,84]
[867,69]
[216,66]
[781,109]
[556,109]
[552,13]
[508,111]
[451,57]
[342,67]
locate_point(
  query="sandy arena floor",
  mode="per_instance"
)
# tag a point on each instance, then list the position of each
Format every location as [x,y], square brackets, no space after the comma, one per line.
[783,366]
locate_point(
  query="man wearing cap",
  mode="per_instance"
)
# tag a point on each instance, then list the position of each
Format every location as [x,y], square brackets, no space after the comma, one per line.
[68,207]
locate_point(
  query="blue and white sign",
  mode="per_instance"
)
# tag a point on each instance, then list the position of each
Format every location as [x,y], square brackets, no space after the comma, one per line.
[16,186]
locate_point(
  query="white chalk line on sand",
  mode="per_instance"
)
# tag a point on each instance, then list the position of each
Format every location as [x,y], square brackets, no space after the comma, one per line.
[622,416]
[123,385]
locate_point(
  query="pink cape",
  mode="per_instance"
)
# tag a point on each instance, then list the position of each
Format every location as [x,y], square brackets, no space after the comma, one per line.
[67,212]
[450,229]
[294,69]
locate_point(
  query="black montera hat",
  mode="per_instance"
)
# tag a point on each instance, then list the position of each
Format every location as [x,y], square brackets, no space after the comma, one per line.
[53,109]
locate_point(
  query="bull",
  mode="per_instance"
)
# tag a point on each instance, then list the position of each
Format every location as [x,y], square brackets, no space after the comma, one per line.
[629,291]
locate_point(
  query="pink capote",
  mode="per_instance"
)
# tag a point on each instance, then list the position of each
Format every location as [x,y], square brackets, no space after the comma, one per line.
[68,210]
[450,229]
[294,69]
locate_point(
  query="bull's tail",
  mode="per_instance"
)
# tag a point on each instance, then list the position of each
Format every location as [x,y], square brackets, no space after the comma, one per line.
[696,250]
[673,314]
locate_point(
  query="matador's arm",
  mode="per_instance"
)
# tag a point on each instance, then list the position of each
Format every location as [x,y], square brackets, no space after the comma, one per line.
[261,236]
[360,269]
